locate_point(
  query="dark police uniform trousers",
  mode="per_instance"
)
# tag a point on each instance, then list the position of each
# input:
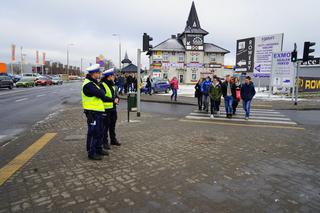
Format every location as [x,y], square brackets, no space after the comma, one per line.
[95,128]
[110,120]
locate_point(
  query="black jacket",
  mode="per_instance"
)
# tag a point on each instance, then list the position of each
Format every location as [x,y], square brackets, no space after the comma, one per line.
[198,92]
[110,85]
[224,87]
[91,90]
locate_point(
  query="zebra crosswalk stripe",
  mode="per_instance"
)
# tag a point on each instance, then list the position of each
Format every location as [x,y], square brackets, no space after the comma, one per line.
[256,116]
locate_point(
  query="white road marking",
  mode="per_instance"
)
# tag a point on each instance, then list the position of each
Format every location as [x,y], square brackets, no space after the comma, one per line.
[41,95]
[242,114]
[241,120]
[22,99]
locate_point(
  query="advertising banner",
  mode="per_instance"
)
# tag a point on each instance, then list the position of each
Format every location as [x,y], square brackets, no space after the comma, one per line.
[245,55]
[265,46]
[282,70]
[13,53]
[37,57]
[309,84]
[44,58]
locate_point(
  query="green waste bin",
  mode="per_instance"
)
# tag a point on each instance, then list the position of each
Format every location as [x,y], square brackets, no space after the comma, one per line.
[132,101]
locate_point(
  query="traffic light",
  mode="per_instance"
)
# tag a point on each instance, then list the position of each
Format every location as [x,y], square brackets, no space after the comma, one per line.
[307,51]
[294,56]
[146,42]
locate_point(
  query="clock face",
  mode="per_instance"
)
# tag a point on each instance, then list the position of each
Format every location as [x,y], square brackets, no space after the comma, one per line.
[197,41]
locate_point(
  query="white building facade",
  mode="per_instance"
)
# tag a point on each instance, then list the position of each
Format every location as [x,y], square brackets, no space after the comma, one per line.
[186,55]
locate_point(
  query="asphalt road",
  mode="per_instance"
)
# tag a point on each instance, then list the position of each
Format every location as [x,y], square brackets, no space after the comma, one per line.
[20,108]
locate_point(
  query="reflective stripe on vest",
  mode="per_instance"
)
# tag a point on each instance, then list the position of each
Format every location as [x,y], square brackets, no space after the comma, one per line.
[107,105]
[91,103]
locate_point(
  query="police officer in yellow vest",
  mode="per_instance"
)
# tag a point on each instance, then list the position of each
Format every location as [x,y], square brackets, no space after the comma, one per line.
[110,119]
[93,98]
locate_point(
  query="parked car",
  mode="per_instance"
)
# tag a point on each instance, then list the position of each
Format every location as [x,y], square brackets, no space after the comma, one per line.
[6,82]
[43,81]
[57,80]
[157,86]
[26,82]
[15,78]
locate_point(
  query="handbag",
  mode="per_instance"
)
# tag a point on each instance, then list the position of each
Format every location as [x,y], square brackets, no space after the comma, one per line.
[238,95]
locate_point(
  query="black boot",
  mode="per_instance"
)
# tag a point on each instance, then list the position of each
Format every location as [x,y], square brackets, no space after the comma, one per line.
[102,152]
[94,157]
[116,143]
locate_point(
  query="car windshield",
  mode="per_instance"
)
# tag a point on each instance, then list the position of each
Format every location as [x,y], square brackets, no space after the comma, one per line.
[25,79]
[42,78]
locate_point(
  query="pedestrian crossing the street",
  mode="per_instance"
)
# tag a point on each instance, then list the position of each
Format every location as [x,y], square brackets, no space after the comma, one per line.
[264,116]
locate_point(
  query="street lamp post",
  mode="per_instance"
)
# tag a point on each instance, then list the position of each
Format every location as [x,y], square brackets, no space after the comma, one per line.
[21,66]
[118,35]
[68,45]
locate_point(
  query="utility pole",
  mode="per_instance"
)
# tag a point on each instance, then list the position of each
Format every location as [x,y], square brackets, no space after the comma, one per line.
[21,65]
[68,45]
[118,35]
[138,80]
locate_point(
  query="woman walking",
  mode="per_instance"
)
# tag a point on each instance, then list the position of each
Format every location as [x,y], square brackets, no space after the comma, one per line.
[215,94]
[174,86]
[236,95]
[198,93]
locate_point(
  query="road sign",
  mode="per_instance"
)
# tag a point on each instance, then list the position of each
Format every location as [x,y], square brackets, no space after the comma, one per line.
[264,47]
[245,55]
[282,70]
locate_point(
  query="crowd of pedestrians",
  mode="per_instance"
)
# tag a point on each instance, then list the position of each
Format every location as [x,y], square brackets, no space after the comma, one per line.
[210,91]
[126,83]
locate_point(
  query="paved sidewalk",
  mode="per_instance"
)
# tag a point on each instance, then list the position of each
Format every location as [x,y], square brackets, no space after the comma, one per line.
[166,165]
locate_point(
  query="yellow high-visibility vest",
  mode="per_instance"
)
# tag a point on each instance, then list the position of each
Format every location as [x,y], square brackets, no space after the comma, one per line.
[108,105]
[91,103]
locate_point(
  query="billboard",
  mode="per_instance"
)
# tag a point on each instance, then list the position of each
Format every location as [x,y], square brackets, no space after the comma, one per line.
[265,46]
[282,74]
[309,84]
[245,55]
[255,54]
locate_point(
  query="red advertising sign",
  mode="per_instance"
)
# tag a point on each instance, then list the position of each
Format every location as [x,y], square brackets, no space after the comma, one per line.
[13,48]
[43,58]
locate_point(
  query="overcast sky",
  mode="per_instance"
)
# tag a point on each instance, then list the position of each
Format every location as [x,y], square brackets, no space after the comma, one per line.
[50,25]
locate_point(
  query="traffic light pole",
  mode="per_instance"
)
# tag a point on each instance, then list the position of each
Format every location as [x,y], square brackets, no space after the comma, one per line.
[138,80]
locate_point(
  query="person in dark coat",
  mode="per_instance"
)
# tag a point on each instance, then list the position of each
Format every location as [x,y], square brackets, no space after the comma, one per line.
[198,93]
[93,98]
[228,92]
[149,85]
[236,96]
[247,93]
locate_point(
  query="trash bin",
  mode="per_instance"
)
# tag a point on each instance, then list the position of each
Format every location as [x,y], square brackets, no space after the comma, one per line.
[132,102]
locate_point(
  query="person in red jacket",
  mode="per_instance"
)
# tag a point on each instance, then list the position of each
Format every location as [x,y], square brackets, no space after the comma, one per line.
[174,84]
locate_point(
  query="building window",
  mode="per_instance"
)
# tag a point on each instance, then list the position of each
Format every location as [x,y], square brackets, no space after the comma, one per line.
[166,56]
[194,58]
[194,77]
[212,57]
[181,57]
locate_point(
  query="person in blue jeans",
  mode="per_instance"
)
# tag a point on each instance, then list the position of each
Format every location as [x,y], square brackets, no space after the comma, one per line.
[228,91]
[205,87]
[247,93]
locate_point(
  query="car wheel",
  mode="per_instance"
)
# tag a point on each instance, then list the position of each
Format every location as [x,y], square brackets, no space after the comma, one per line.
[11,86]
[166,91]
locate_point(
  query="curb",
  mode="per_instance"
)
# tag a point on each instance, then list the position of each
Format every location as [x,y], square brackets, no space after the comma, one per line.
[194,104]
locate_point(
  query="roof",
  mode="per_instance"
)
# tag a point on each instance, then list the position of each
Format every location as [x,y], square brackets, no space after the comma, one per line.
[131,68]
[171,44]
[193,23]
[126,59]
[208,47]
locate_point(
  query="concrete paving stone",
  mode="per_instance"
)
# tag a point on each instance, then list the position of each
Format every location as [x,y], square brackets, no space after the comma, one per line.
[169,166]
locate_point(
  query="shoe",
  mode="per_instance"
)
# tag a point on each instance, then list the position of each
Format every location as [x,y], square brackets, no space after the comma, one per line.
[107,147]
[227,115]
[230,116]
[103,152]
[246,118]
[211,116]
[116,143]
[94,157]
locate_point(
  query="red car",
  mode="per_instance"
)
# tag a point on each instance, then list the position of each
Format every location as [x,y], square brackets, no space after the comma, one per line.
[42,81]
